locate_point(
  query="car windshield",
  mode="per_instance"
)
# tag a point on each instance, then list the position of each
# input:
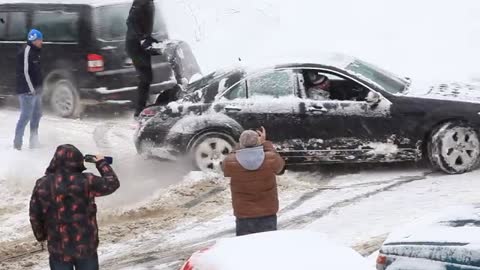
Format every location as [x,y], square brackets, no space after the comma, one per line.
[388,81]
[112,23]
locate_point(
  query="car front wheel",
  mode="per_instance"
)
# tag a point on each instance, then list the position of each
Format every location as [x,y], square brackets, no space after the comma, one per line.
[454,147]
[210,149]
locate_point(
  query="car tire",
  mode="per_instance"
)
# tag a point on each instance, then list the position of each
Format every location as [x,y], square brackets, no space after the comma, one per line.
[64,99]
[209,149]
[454,148]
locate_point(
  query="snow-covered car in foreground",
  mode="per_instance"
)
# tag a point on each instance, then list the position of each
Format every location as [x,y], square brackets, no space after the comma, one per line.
[281,250]
[448,241]
[370,116]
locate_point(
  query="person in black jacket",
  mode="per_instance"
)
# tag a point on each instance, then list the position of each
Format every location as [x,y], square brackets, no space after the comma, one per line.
[139,42]
[29,89]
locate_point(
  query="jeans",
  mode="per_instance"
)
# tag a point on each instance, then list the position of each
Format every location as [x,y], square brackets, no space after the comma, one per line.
[31,111]
[90,263]
[256,225]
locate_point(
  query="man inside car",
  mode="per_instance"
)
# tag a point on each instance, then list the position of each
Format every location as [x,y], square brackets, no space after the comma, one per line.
[319,86]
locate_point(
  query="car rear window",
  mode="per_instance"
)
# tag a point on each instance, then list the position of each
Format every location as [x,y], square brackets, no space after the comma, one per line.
[111,23]
[57,26]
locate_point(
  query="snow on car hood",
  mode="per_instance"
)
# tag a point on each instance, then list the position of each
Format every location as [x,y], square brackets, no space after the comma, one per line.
[459,225]
[280,250]
[456,91]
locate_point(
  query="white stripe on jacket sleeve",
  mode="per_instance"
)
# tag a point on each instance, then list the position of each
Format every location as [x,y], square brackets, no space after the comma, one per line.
[26,68]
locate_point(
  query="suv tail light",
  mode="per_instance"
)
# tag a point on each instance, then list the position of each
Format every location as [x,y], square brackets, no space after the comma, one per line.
[381,262]
[95,63]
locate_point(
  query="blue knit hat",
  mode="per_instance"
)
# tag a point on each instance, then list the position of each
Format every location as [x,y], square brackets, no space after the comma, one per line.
[34,34]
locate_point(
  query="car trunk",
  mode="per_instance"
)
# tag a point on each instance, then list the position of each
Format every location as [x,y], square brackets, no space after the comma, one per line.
[451,237]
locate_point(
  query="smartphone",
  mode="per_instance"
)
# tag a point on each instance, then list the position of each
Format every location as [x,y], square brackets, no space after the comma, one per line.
[91,159]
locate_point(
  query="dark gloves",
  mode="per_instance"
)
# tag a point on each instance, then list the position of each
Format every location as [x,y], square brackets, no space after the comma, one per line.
[147,45]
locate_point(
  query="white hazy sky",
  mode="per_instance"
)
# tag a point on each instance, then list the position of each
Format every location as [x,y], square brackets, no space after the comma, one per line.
[425,39]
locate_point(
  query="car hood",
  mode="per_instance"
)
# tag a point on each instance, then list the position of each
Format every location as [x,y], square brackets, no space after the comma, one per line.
[454,91]
[280,250]
[456,226]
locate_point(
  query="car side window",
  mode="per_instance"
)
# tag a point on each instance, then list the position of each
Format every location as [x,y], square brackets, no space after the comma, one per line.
[57,26]
[17,26]
[278,83]
[3,25]
[13,26]
[321,85]
[238,91]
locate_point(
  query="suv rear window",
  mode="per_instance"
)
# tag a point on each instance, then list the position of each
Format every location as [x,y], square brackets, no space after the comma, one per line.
[57,26]
[111,23]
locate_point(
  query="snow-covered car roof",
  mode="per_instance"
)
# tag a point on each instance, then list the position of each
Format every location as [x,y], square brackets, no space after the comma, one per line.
[460,225]
[280,250]
[337,60]
[93,3]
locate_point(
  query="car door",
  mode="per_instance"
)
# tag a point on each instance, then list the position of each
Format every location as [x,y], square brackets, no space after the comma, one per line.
[13,33]
[353,130]
[269,99]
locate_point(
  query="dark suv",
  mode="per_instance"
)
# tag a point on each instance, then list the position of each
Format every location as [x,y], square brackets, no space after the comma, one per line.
[83,59]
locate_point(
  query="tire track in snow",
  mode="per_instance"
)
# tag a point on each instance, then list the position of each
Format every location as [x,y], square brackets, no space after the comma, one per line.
[308,218]
[312,194]
[181,251]
[100,136]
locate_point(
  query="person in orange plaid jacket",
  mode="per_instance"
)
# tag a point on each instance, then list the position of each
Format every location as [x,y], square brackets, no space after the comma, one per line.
[63,209]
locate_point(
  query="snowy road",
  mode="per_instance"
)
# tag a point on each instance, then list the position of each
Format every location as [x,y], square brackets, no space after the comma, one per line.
[162,213]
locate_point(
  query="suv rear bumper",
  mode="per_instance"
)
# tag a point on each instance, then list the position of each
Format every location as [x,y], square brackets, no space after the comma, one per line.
[120,95]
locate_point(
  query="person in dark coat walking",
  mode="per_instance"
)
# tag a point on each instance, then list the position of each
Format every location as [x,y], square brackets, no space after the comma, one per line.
[253,169]
[139,46]
[63,209]
[139,42]
[29,89]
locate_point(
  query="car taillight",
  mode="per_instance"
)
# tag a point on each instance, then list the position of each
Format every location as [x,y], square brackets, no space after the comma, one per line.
[381,262]
[148,112]
[95,63]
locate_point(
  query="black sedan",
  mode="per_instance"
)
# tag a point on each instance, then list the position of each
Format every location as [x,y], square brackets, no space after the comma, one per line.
[368,115]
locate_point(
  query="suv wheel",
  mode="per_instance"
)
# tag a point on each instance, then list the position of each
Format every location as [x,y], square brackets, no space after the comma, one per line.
[64,99]
[454,148]
[210,149]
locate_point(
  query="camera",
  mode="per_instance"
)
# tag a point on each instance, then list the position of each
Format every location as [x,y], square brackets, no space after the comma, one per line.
[91,159]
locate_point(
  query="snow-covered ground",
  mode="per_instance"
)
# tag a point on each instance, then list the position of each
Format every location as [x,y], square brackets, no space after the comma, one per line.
[162,212]
[155,219]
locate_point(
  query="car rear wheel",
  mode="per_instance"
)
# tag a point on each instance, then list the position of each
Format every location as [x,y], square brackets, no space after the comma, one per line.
[210,149]
[64,99]
[454,147]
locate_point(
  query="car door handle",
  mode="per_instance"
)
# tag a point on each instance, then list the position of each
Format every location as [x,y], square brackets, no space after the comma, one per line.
[316,109]
[232,109]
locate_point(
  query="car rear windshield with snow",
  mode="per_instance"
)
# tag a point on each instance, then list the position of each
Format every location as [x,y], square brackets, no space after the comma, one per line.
[384,79]
[273,84]
[57,26]
[111,23]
